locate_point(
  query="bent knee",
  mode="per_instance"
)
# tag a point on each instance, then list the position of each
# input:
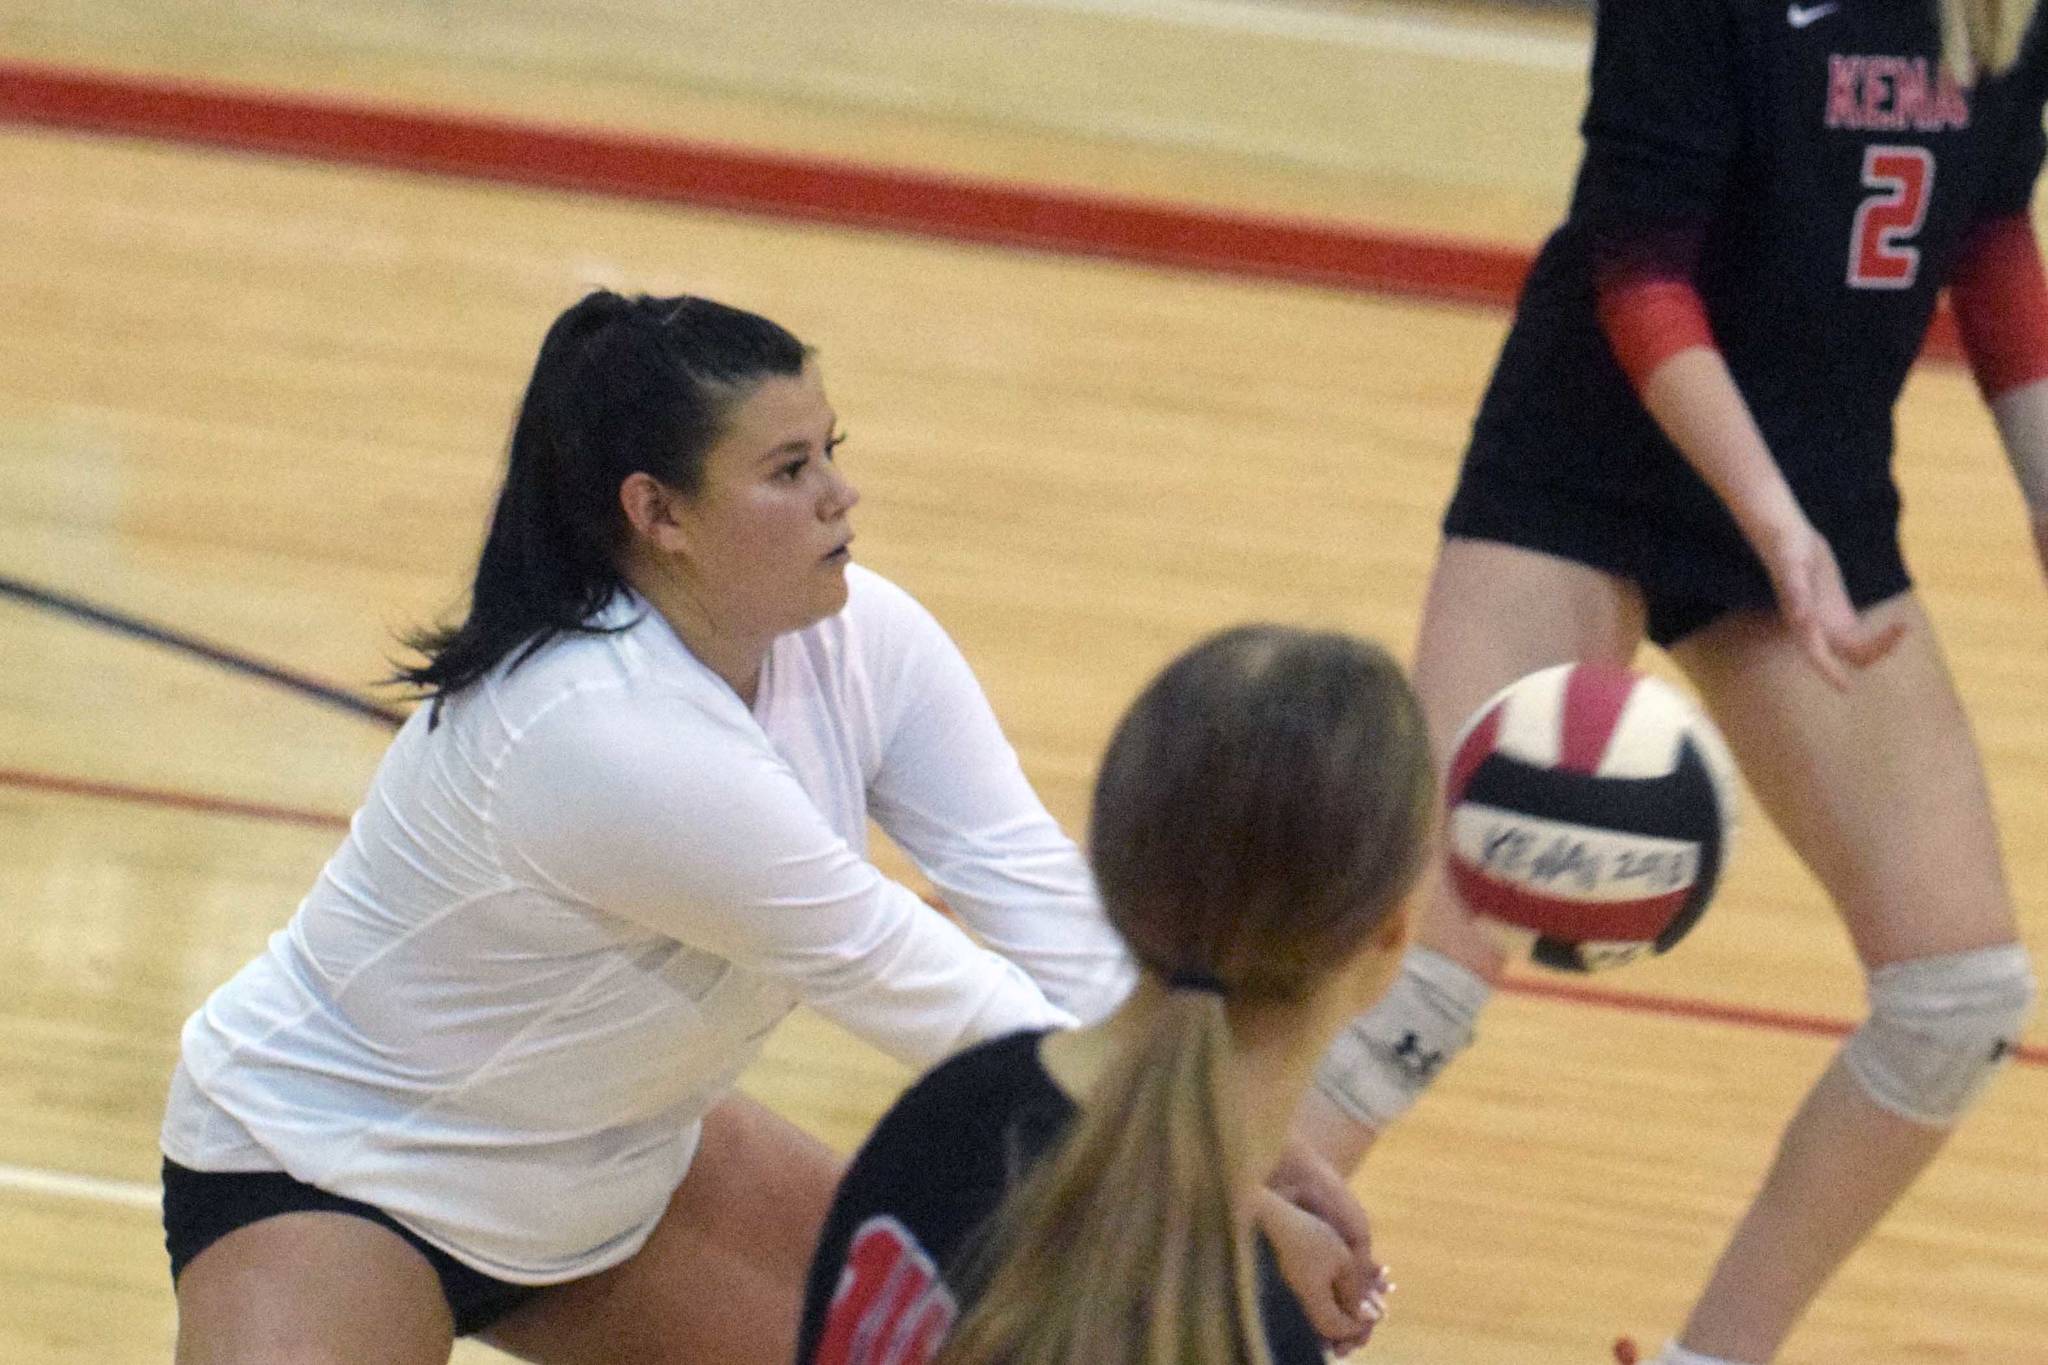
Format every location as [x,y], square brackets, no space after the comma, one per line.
[1938,1028]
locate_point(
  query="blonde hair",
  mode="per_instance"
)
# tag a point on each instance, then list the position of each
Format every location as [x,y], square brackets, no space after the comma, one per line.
[1982,35]
[1260,815]
[1125,1246]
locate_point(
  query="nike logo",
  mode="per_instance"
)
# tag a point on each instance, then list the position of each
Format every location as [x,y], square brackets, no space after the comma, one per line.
[1799,16]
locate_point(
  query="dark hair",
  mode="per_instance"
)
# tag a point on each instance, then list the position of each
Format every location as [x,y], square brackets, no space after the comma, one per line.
[1261,812]
[621,386]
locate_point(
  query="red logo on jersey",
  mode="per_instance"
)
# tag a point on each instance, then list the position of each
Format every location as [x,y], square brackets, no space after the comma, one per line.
[1893,94]
[891,1307]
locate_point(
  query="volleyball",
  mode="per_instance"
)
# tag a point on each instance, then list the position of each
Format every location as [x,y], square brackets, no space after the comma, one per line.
[1589,813]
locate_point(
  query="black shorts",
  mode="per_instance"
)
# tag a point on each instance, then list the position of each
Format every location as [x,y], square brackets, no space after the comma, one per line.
[201,1207]
[1692,567]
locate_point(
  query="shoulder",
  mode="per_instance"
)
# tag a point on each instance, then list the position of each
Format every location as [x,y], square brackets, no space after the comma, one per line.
[636,669]
[987,1082]
[2025,86]
[1663,26]
[1004,1071]
[964,1106]
[1708,11]
[624,711]
[883,642]
[941,1158]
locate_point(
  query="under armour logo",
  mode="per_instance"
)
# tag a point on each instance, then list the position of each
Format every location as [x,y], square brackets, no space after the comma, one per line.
[1799,16]
[2000,1048]
[1411,1058]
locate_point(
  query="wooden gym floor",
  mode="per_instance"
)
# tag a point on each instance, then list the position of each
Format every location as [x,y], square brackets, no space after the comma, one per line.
[262,401]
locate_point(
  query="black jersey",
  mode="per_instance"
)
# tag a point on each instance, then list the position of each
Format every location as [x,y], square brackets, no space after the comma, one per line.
[1813,173]
[929,1176]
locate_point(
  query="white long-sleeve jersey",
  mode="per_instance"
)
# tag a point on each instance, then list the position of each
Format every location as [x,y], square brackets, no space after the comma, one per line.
[567,915]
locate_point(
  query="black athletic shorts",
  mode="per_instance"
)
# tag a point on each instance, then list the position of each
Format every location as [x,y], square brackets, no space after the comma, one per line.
[1692,567]
[201,1207]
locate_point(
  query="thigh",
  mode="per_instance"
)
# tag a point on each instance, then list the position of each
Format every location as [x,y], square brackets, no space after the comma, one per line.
[1494,613]
[1879,790]
[312,1289]
[721,1278]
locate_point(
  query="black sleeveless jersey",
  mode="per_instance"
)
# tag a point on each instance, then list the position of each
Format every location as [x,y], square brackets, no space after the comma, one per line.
[922,1186]
[1812,171]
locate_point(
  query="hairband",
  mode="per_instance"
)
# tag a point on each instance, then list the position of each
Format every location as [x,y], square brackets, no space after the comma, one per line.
[1196,981]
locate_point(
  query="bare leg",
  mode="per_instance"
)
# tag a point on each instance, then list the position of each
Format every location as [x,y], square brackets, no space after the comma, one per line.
[312,1289]
[1494,613]
[1882,795]
[720,1280]
[1840,1166]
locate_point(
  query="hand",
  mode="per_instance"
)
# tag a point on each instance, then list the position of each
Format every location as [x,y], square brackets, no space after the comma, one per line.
[1321,1269]
[1306,1181]
[1816,607]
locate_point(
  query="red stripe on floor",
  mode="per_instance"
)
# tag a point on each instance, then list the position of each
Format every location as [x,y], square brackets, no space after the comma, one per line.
[1569,992]
[782,185]
[176,800]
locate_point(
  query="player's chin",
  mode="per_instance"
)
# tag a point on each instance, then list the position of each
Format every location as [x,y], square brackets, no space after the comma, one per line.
[830,591]
[1343,1348]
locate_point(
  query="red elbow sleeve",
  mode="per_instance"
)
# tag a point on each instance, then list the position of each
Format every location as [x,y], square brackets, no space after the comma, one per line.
[1650,319]
[2001,303]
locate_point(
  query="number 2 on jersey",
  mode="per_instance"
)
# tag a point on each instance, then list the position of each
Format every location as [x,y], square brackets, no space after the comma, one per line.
[1879,257]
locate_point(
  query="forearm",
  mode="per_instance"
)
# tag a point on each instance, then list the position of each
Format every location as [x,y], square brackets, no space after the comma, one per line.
[1695,402]
[1693,397]
[951,792]
[697,831]
[2022,417]
[1658,329]
[2000,296]
[1024,889]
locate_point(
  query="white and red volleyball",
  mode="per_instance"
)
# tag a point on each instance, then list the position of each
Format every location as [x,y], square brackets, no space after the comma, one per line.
[1590,809]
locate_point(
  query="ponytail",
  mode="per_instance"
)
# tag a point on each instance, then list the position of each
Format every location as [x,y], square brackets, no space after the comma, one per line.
[1982,36]
[1259,818]
[1129,1245]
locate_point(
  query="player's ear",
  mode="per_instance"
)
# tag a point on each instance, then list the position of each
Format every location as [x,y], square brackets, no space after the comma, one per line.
[654,512]
[1392,935]
[1378,960]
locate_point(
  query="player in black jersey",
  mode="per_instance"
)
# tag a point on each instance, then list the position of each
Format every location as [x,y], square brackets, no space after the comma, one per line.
[931,1175]
[1688,437]
[1085,1198]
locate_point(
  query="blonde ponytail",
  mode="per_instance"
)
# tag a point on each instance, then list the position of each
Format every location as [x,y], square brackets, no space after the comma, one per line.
[1261,814]
[1127,1245]
[1982,35]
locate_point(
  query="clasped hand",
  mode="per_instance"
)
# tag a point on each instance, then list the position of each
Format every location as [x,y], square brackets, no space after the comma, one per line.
[1323,1242]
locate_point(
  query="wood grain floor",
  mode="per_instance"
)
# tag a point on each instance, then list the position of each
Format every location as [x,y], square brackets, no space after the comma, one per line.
[265,402]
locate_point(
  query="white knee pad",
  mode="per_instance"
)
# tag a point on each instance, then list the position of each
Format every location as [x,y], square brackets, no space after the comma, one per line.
[1938,1027]
[1383,1059]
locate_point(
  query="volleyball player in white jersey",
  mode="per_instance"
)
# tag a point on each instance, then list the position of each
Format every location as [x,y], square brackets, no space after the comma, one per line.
[482,1080]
